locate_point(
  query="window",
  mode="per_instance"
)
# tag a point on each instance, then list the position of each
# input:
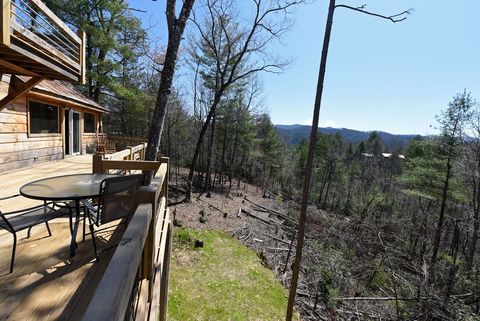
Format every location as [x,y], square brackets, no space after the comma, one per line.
[88,123]
[43,118]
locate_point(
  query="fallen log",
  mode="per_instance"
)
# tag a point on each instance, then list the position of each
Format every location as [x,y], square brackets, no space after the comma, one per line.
[261,219]
[269,222]
[368,298]
[212,206]
[275,238]
[387,298]
[282,249]
[177,189]
[269,210]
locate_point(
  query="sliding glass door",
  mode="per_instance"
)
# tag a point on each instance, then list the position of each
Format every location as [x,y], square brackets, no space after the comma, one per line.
[72,132]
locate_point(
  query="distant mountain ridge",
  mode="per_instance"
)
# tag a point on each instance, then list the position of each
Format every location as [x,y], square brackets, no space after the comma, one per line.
[293,134]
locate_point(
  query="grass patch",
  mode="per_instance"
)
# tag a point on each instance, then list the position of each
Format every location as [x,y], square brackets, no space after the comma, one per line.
[224,280]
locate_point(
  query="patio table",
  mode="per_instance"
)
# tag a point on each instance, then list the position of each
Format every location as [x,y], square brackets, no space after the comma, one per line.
[66,188]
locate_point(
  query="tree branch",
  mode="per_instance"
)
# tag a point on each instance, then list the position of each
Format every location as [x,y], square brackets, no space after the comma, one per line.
[393,18]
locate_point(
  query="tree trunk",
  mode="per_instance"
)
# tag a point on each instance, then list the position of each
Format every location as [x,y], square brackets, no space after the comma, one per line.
[199,143]
[98,85]
[441,217]
[476,227]
[232,160]
[208,179]
[309,164]
[176,26]
[453,266]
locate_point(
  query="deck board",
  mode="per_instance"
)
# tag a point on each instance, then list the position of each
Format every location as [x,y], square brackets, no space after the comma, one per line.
[48,284]
[11,182]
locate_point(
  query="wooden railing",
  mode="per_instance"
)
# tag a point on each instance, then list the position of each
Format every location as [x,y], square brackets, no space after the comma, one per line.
[135,284]
[127,139]
[36,43]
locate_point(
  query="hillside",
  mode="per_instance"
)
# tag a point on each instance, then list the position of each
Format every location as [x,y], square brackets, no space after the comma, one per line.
[293,134]
[223,280]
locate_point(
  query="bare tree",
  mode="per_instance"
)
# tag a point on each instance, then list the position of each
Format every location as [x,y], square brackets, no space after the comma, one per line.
[313,139]
[237,50]
[176,26]
[452,124]
[472,167]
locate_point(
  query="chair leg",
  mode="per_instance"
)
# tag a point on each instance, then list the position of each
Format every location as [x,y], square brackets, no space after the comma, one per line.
[85,212]
[70,222]
[13,252]
[28,232]
[93,240]
[48,228]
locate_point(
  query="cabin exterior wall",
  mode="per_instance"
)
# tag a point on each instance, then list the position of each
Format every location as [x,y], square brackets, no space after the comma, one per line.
[19,148]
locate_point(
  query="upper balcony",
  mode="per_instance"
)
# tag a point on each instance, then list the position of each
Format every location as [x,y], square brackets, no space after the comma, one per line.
[35,42]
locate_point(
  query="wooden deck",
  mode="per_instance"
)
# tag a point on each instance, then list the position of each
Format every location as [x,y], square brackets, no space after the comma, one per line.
[131,280]
[48,284]
[11,182]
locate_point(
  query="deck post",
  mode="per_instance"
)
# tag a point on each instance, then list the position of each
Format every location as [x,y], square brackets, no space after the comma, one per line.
[130,157]
[142,152]
[164,283]
[5,16]
[97,167]
[148,194]
[167,178]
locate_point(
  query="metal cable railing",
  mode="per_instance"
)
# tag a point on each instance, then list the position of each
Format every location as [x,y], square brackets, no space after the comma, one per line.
[41,25]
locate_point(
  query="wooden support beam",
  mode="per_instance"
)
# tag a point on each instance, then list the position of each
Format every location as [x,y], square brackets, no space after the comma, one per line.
[60,70]
[18,88]
[5,22]
[17,69]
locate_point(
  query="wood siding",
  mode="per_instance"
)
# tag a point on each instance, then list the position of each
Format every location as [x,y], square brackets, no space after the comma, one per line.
[19,148]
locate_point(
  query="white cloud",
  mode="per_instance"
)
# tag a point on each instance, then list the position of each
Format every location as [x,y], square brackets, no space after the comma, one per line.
[329,123]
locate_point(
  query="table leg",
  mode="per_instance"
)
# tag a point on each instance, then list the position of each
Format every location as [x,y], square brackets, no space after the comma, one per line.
[73,244]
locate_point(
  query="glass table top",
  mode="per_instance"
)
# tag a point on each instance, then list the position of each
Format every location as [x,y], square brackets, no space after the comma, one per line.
[67,187]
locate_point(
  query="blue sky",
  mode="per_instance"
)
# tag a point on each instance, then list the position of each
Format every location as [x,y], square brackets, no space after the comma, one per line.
[380,75]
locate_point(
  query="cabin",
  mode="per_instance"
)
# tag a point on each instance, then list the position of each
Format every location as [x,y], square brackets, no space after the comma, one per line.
[51,121]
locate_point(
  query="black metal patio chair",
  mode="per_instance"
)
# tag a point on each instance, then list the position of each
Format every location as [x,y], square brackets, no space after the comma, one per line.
[116,201]
[15,221]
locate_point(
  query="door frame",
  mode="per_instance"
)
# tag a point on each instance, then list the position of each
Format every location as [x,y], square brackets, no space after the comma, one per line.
[69,135]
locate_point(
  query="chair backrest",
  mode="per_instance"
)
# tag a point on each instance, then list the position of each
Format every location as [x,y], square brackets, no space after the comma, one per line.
[5,224]
[117,197]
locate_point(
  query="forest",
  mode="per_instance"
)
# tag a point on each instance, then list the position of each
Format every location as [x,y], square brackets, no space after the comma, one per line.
[393,233]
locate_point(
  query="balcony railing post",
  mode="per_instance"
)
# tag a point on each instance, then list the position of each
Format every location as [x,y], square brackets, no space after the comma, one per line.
[5,15]
[82,54]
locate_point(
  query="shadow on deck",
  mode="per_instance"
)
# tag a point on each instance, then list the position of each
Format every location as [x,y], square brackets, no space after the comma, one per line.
[48,284]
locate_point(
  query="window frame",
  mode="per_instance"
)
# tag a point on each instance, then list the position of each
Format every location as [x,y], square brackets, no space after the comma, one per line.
[94,124]
[29,121]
